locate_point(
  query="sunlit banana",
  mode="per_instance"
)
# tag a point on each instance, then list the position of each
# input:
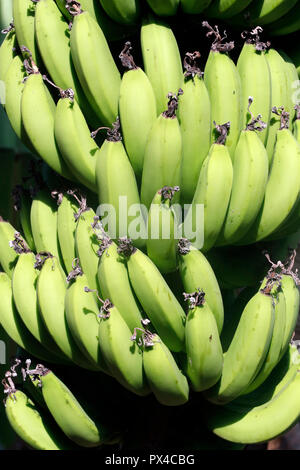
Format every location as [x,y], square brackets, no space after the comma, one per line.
[196,273]
[194,115]
[162,60]
[24,14]
[255,75]
[8,256]
[224,88]
[163,153]
[137,106]
[216,172]
[8,51]
[204,360]
[292,300]
[292,82]
[155,296]
[22,205]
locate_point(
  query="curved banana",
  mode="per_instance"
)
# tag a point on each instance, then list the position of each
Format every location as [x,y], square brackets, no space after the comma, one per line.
[95,67]
[53,37]
[250,175]
[224,88]
[125,12]
[287,24]
[51,291]
[193,7]
[292,300]
[123,357]
[66,227]
[280,95]
[163,153]
[8,256]
[155,296]
[43,218]
[137,106]
[264,12]
[194,116]
[271,418]
[168,384]
[22,204]
[32,425]
[224,9]
[196,272]
[38,111]
[166,8]
[292,81]
[255,76]
[118,191]
[7,51]
[24,14]
[162,60]
[216,172]
[74,141]
[115,285]
[162,230]
[204,360]
[248,349]
[69,413]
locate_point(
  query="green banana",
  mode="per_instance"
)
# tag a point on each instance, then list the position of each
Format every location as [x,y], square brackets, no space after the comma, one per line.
[196,272]
[163,153]
[283,174]
[264,12]
[66,225]
[162,60]
[74,141]
[250,175]
[125,12]
[8,256]
[115,285]
[204,361]
[194,7]
[155,296]
[7,51]
[163,223]
[14,326]
[22,205]
[51,291]
[117,190]
[38,111]
[292,81]
[167,382]
[213,192]
[224,9]
[287,24]
[255,424]
[255,76]
[292,300]
[82,317]
[92,58]
[68,412]
[137,106]
[43,218]
[123,357]
[224,87]
[24,14]
[53,37]
[279,97]
[248,349]
[32,425]
[166,8]
[194,116]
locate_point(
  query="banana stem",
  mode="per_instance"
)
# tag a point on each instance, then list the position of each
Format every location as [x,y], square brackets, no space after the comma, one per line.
[76,271]
[168,192]
[126,57]
[253,37]
[223,130]
[217,45]
[19,245]
[190,65]
[184,246]
[125,247]
[256,124]
[107,305]
[284,117]
[172,104]
[195,299]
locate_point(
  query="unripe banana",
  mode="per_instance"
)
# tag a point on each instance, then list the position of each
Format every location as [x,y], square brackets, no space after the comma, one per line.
[216,172]
[204,360]
[123,357]
[162,230]
[194,115]
[194,7]
[7,52]
[196,272]
[287,24]
[122,11]
[162,60]
[224,88]
[255,75]
[8,256]
[165,379]
[292,300]
[292,81]
[115,285]
[51,291]
[247,350]
[163,153]
[155,296]
[224,9]
[250,174]
[32,425]
[166,8]
[95,67]
[267,11]
[68,207]
[22,204]
[24,14]
[117,189]
[137,106]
